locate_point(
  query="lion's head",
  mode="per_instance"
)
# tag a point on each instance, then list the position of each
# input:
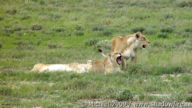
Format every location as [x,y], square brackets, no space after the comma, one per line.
[115,57]
[143,41]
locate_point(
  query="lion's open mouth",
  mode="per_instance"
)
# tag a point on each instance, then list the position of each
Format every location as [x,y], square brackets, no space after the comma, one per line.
[118,60]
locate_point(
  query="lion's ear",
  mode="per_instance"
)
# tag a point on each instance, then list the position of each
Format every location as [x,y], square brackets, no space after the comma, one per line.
[138,34]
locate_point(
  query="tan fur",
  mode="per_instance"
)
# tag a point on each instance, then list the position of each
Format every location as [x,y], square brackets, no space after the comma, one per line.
[122,44]
[76,67]
[107,65]
[39,67]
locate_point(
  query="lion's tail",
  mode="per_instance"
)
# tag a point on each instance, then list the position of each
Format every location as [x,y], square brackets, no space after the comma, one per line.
[101,51]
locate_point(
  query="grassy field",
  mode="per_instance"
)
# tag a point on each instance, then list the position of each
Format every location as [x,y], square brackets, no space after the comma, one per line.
[65,31]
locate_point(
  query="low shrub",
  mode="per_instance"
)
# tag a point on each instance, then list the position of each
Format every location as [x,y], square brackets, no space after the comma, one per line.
[137,29]
[151,31]
[186,34]
[78,28]
[79,32]
[36,27]
[107,32]
[162,35]
[59,29]
[1,45]
[5,91]
[188,30]
[185,4]
[52,46]
[167,30]
[189,99]
[168,16]
[91,42]
[97,28]
[42,2]
[12,12]
[25,17]
[1,18]
[39,42]
[8,30]
[124,95]
[24,45]
[17,28]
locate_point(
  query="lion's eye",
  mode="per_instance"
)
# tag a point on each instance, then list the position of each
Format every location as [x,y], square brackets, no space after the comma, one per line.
[144,39]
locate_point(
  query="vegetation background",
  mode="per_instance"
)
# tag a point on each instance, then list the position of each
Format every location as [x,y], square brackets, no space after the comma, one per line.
[65,31]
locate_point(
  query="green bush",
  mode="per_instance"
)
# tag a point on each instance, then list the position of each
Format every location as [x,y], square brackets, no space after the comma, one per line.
[36,27]
[97,28]
[1,45]
[7,31]
[188,30]
[52,46]
[78,28]
[60,29]
[168,16]
[5,91]
[79,33]
[137,29]
[17,28]
[91,42]
[42,2]
[186,34]
[162,35]
[151,31]
[12,12]
[22,45]
[24,17]
[189,99]
[124,95]
[1,18]
[107,32]
[167,30]
[185,4]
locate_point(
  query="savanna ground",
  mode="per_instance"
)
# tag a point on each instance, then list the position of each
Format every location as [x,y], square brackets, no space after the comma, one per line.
[65,31]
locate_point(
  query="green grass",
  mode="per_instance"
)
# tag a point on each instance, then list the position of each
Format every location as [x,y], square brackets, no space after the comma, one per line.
[65,31]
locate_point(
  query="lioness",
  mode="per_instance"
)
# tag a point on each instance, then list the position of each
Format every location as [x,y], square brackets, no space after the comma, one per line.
[75,67]
[110,64]
[128,45]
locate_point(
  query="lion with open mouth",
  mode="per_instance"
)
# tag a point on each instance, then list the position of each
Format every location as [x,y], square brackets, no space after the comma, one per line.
[111,63]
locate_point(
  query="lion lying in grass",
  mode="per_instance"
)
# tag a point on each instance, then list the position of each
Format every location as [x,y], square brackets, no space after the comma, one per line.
[76,67]
[110,63]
